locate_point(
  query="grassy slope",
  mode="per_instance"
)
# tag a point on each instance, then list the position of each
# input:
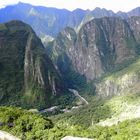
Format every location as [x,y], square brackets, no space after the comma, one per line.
[123,108]
[131,69]
[103,111]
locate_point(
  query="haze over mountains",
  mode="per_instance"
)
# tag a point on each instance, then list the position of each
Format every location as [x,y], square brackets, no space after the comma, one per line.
[50,21]
[46,53]
[105,42]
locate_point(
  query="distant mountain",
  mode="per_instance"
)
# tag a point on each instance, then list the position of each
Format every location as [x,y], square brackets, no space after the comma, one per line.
[102,12]
[27,75]
[50,21]
[134,12]
[44,20]
[95,43]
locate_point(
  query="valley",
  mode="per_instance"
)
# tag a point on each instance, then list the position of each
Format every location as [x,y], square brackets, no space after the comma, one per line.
[69,74]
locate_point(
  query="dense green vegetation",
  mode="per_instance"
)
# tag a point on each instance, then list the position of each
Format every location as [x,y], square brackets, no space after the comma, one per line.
[87,115]
[127,130]
[132,68]
[119,70]
[24,124]
[100,110]
[11,68]
[32,126]
[85,121]
[27,76]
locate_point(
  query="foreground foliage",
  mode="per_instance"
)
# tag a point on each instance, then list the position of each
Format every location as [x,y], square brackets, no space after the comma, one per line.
[24,124]
[32,126]
[127,130]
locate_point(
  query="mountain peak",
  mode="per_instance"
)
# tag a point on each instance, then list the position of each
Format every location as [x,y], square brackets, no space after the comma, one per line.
[22,3]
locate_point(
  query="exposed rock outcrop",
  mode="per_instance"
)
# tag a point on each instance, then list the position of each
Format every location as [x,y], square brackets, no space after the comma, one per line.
[74,138]
[122,82]
[6,136]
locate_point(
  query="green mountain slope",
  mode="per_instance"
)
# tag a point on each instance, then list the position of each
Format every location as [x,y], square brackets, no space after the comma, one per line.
[27,75]
[121,82]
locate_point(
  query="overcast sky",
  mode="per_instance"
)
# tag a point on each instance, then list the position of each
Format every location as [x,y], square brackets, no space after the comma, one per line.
[115,5]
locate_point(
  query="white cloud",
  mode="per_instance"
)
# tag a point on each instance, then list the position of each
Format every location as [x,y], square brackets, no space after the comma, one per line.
[115,5]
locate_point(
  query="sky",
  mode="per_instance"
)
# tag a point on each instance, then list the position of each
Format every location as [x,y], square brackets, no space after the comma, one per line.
[115,5]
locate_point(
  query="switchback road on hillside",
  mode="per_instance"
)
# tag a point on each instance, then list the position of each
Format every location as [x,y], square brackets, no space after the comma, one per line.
[75,92]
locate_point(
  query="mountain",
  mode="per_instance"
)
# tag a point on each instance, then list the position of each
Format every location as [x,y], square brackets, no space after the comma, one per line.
[102,12]
[102,45]
[134,12]
[27,75]
[45,21]
[93,55]
[62,52]
[48,22]
[92,45]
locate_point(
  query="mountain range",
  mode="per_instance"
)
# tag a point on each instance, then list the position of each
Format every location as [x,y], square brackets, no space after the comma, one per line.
[80,68]
[101,46]
[105,42]
[48,22]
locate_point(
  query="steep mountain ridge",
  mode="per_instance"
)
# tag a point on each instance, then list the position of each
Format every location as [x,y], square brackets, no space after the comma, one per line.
[50,21]
[101,45]
[27,75]
[45,21]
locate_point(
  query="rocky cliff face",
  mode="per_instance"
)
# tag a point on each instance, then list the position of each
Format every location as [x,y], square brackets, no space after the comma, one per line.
[27,75]
[100,46]
[63,53]
[125,81]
